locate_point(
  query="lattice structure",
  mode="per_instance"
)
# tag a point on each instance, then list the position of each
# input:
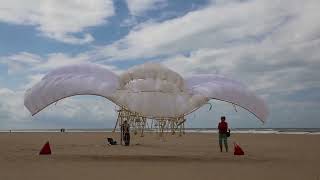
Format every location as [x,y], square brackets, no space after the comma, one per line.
[139,124]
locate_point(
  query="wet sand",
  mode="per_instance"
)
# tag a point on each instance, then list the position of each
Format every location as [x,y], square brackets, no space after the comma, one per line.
[192,156]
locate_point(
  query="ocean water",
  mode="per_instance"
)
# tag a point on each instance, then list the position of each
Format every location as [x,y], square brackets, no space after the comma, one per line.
[311,131]
[261,130]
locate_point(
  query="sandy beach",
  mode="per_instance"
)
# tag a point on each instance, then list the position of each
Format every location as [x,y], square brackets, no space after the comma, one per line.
[193,156]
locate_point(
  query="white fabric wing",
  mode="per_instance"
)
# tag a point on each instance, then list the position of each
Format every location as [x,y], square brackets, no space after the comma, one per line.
[225,89]
[82,79]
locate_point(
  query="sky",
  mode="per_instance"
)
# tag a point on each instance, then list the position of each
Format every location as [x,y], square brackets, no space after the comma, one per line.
[273,47]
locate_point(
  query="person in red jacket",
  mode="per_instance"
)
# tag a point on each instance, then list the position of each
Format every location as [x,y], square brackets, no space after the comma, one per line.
[223,129]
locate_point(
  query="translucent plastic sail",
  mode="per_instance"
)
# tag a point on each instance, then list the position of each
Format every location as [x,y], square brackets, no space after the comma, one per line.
[222,88]
[83,79]
[152,90]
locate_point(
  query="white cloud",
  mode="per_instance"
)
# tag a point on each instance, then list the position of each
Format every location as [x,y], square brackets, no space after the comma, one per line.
[24,62]
[204,28]
[56,60]
[58,19]
[10,104]
[138,7]
[281,69]
[19,61]
[220,26]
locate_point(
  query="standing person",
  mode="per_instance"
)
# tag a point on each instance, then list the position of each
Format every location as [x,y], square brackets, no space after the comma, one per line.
[223,129]
[126,133]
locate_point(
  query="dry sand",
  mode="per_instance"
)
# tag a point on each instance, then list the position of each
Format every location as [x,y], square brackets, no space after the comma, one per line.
[193,156]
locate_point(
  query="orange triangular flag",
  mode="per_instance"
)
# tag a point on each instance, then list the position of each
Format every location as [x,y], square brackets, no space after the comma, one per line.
[46,150]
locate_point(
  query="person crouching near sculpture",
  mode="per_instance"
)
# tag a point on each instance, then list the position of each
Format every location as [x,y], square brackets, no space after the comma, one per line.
[223,129]
[126,133]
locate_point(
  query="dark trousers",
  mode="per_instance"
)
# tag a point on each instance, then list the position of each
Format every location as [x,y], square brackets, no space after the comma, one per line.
[126,139]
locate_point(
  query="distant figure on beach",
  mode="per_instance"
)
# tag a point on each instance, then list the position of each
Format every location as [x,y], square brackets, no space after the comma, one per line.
[126,133]
[223,130]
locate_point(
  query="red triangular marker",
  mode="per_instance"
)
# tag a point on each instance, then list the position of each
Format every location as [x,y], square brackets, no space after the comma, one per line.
[46,150]
[238,150]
